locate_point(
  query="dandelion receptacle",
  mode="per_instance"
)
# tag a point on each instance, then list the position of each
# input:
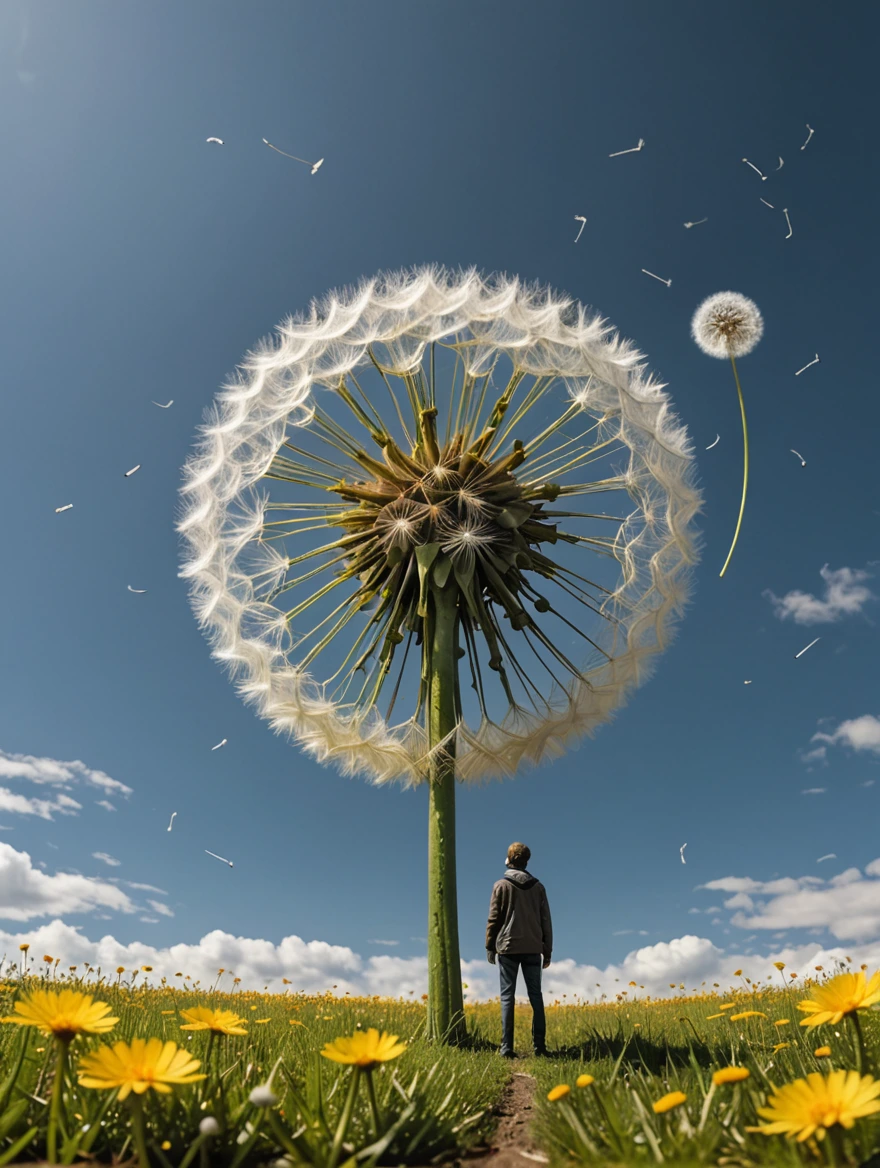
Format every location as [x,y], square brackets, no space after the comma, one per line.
[437,528]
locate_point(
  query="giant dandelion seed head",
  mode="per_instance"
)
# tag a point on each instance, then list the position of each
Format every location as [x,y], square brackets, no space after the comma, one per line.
[438,448]
[727,324]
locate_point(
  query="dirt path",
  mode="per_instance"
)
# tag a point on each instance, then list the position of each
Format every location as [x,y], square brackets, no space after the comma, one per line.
[510,1146]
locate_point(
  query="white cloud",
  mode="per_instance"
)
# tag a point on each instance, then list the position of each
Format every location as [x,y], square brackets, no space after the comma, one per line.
[149,920]
[847,905]
[845,595]
[370,941]
[44,808]
[814,790]
[158,907]
[111,861]
[861,733]
[145,887]
[26,892]
[105,803]
[49,772]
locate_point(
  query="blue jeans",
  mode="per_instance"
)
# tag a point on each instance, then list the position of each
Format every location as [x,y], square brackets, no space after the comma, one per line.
[509,964]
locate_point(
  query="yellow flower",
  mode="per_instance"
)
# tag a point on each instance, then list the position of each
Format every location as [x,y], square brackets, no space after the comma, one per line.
[709,1017]
[220,1021]
[147,968]
[781,1046]
[783,1022]
[728,1006]
[841,995]
[47,959]
[780,965]
[558,1092]
[584,1080]
[261,1021]
[169,1011]
[673,1099]
[811,1105]
[120,969]
[364,1048]
[137,1066]
[746,1014]
[822,1052]
[24,947]
[296,1022]
[737,973]
[165,1145]
[730,1075]
[64,1014]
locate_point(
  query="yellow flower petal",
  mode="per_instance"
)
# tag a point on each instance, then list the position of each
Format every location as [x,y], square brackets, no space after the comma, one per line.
[667,1102]
[558,1092]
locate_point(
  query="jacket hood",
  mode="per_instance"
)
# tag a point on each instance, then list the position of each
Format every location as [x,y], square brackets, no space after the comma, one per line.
[520,877]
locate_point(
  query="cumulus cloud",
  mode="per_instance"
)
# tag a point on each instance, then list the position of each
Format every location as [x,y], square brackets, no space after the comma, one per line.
[847,905]
[846,594]
[860,734]
[26,892]
[59,776]
[111,861]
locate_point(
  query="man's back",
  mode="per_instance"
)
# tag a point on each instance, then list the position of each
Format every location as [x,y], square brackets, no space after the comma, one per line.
[519,916]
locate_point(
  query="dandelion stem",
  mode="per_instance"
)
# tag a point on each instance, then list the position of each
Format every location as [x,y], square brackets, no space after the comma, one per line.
[57,1096]
[445,1020]
[742,506]
[137,1129]
[374,1106]
[345,1118]
[861,1052]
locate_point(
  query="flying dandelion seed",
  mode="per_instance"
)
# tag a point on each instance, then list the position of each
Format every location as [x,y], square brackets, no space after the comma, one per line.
[809,136]
[747,683]
[668,283]
[829,856]
[811,644]
[219,141]
[815,361]
[715,443]
[219,744]
[167,405]
[216,857]
[171,820]
[316,166]
[800,456]
[781,164]
[403,480]
[681,853]
[632,150]
[583,223]
[129,473]
[137,591]
[755,169]
[66,507]
[728,324]
[766,204]
[788,221]
[697,222]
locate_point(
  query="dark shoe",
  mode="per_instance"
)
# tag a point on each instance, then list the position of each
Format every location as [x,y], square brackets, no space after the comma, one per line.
[545,1053]
[508,1054]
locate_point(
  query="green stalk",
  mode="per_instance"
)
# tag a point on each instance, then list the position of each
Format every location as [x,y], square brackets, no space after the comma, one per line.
[137,1130]
[374,1106]
[445,1015]
[742,506]
[345,1118]
[57,1093]
[861,1052]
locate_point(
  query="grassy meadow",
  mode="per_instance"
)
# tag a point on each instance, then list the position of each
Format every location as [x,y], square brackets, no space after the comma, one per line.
[630,1081]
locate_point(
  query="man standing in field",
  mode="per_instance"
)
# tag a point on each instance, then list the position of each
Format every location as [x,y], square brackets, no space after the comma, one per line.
[520,933]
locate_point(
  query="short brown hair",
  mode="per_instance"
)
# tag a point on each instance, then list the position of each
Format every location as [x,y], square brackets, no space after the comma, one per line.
[518,855]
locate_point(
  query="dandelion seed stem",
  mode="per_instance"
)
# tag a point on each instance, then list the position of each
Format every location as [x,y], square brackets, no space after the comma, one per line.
[742,506]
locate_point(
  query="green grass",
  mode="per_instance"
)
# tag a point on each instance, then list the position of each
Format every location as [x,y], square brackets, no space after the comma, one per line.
[433,1102]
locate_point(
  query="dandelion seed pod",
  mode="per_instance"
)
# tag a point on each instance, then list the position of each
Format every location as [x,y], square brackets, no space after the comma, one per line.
[727,324]
[439,441]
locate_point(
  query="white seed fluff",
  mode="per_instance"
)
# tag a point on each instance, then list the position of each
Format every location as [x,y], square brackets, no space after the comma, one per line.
[727,323]
[209,1126]
[263,1097]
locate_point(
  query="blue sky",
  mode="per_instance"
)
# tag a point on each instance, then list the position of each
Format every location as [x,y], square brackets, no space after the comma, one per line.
[141,263]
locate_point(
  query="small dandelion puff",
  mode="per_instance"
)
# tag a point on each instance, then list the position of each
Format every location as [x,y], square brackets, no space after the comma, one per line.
[728,324]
